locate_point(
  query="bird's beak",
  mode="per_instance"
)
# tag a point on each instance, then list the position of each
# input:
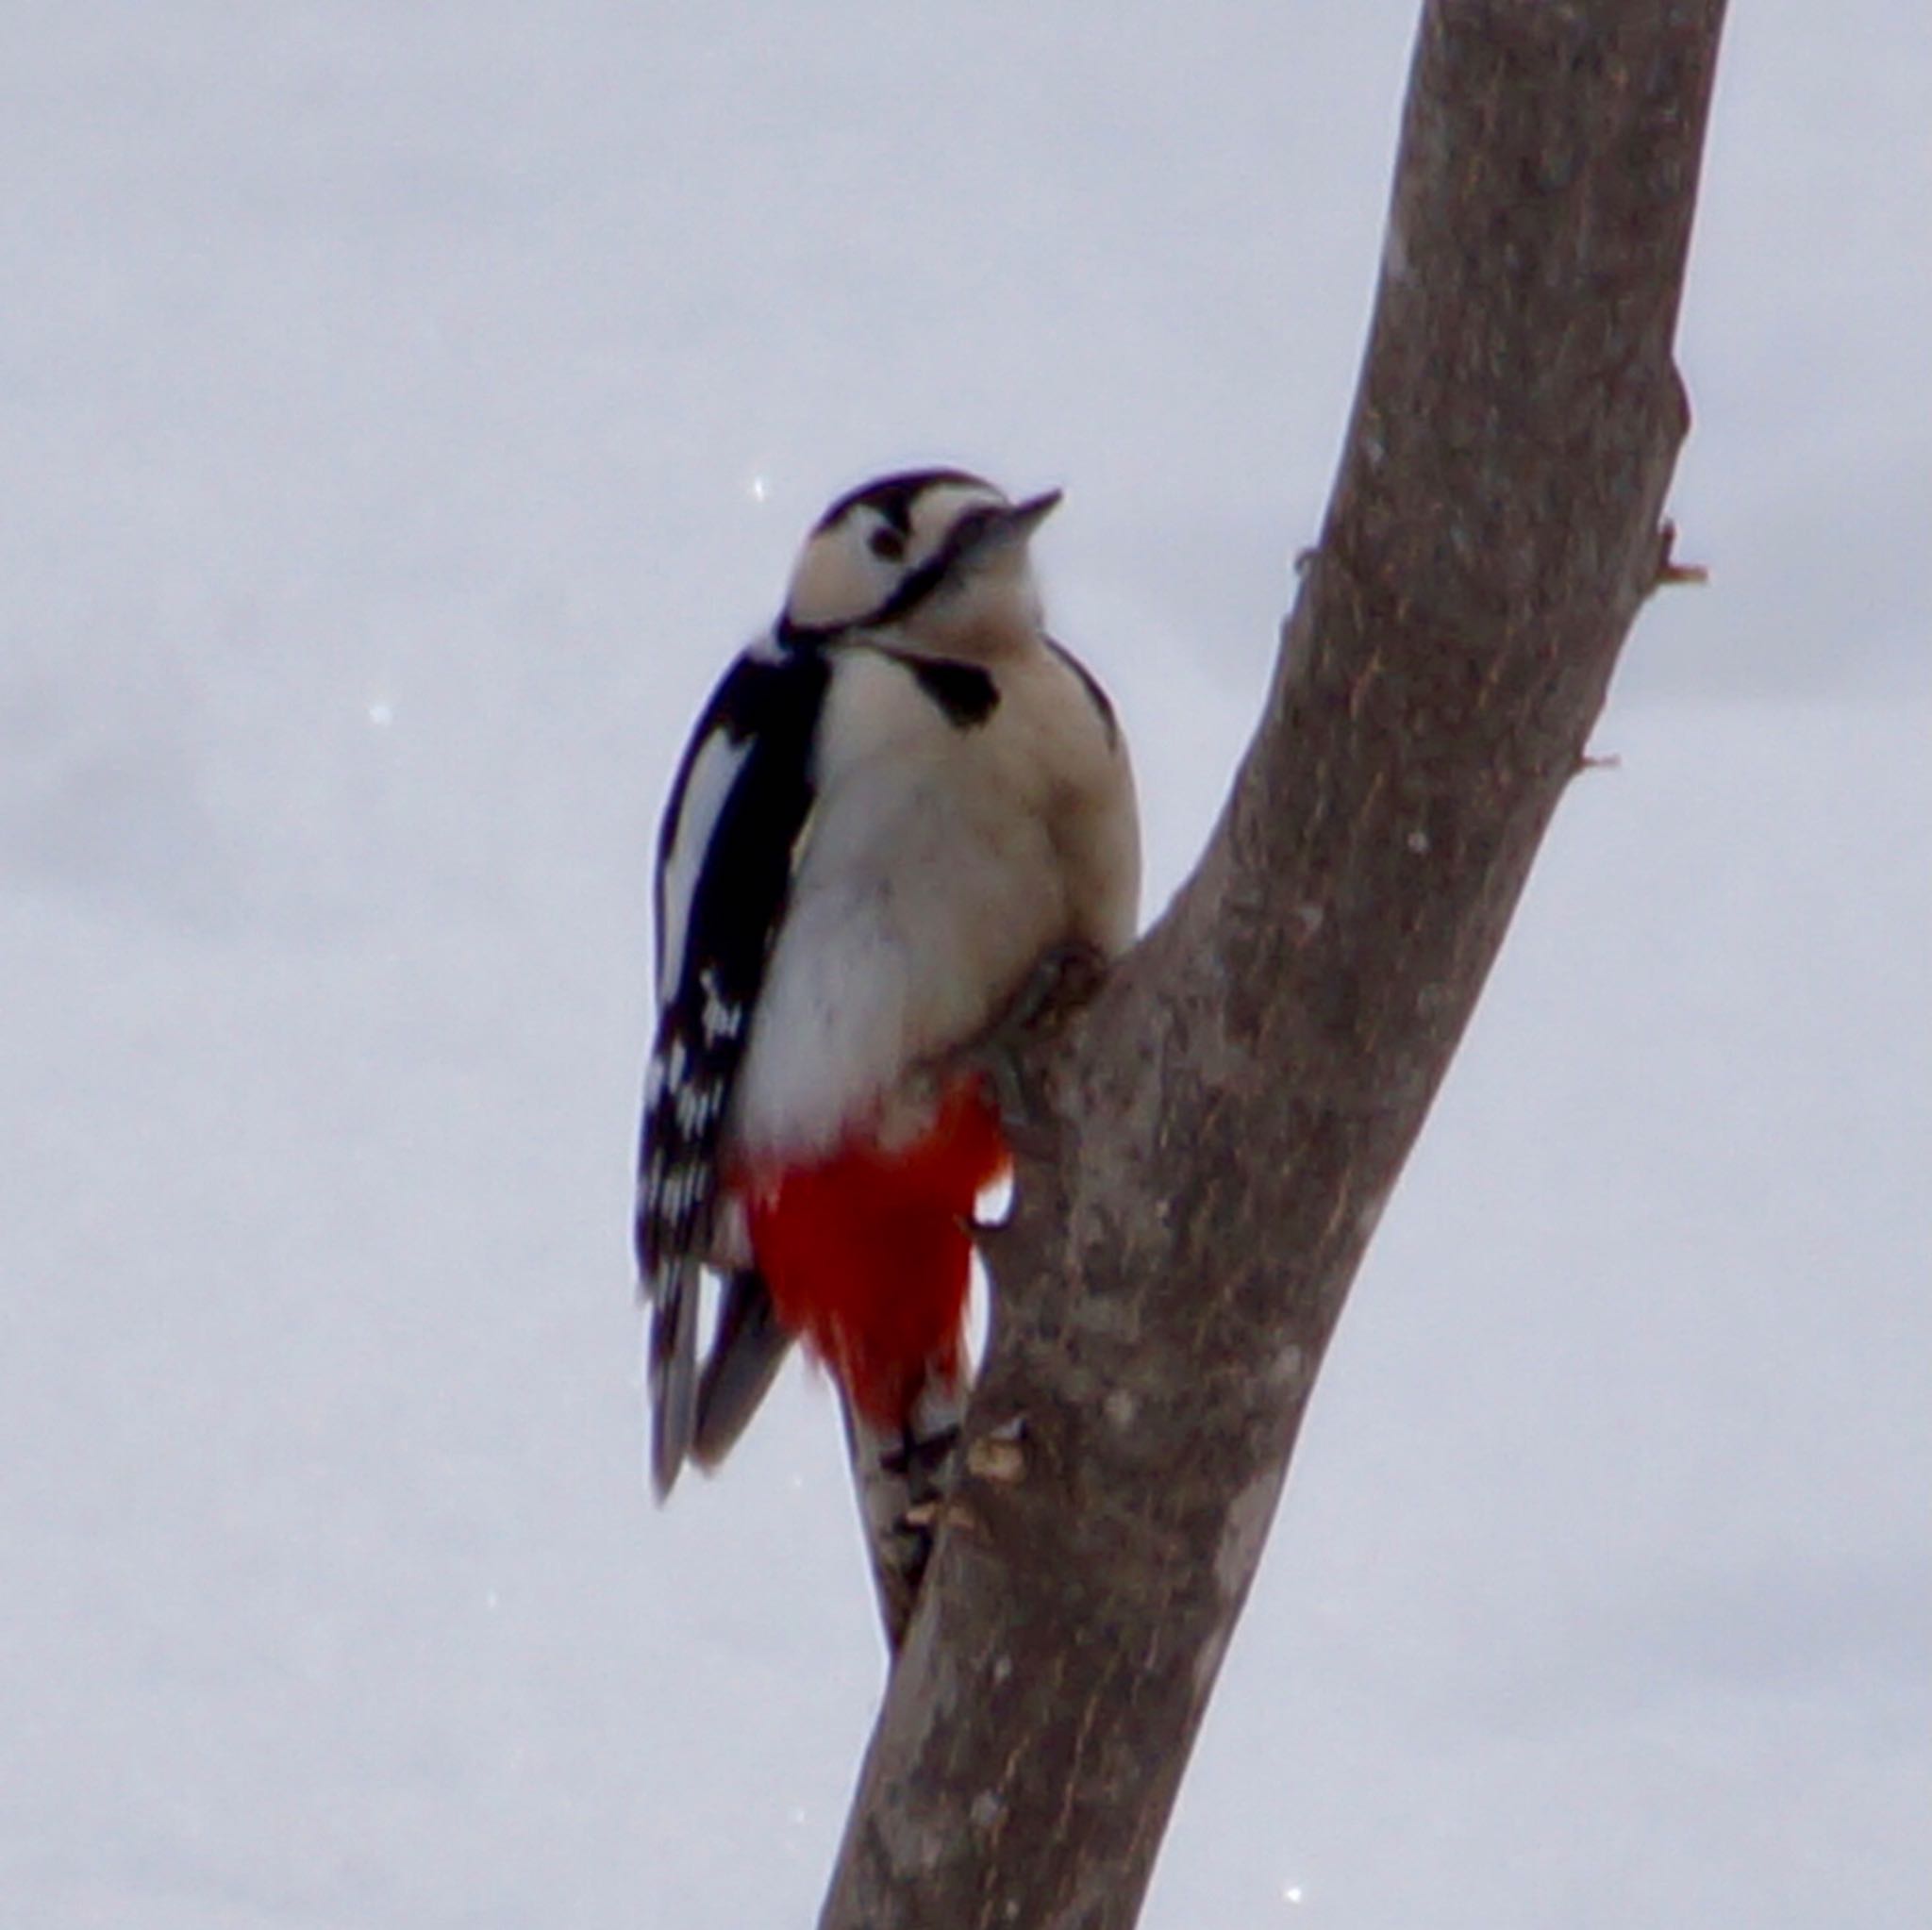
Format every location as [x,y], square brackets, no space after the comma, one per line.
[1017,523]
[1001,532]
[993,536]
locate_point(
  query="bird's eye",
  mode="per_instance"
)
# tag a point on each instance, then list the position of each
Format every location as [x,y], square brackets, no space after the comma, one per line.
[887,544]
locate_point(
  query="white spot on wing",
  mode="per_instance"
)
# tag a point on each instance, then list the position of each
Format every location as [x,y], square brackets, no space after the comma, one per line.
[697,1106]
[713,771]
[723,1018]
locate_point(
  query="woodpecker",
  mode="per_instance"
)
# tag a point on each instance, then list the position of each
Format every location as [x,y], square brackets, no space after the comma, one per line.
[900,801]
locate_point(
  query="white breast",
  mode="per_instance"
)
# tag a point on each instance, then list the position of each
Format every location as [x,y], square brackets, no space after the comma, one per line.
[941,864]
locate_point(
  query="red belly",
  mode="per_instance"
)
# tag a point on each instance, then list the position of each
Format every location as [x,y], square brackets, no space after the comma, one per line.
[866,1255]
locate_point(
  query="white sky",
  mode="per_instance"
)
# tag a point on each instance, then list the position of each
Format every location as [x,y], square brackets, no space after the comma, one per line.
[402,413]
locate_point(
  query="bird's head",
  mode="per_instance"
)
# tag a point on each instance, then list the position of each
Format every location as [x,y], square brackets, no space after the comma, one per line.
[935,555]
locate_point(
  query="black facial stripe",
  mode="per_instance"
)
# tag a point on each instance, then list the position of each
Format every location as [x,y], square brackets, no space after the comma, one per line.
[965,693]
[913,589]
[791,637]
[916,587]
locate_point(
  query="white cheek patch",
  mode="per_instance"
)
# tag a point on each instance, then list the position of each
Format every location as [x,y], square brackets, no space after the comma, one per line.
[837,578]
[712,775]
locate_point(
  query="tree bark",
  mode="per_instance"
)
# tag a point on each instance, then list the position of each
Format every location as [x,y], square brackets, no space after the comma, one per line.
[1226,1118]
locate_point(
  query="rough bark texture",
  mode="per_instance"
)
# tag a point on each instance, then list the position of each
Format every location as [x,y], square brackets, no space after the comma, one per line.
[1229,1115]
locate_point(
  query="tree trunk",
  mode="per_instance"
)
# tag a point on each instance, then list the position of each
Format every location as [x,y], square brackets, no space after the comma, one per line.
[1226,1120]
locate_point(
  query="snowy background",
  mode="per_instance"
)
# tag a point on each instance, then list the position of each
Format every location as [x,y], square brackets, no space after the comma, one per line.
[404,410]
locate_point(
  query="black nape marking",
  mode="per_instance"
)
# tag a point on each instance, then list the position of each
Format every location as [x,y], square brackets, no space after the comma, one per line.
[964,692]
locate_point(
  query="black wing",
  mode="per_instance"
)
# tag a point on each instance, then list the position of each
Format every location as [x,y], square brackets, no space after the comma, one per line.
[726,853]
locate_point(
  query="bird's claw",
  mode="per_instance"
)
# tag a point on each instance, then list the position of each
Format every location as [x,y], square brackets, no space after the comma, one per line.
[1063,980]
